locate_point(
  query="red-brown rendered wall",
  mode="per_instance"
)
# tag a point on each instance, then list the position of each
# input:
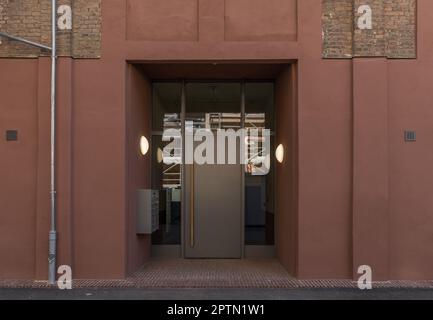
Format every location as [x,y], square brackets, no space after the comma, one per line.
[138,124]
[287,174]
[18,169]
[345,215]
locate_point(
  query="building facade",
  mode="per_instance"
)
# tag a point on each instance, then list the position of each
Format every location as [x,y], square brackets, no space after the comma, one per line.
[344,85]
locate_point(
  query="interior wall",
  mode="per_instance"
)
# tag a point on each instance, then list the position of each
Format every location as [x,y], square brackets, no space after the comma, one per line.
[287,172]
[138,123]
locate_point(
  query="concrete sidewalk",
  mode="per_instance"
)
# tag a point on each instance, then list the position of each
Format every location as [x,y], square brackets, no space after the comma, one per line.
[216,294]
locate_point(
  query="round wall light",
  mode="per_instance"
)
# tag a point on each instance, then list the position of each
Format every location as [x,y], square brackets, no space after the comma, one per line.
[159,156]
[279,153]
[144,145]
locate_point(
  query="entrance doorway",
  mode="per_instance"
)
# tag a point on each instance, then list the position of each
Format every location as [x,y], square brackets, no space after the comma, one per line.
[213,208]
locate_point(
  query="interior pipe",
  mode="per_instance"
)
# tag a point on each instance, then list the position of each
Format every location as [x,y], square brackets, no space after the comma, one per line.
[52,254]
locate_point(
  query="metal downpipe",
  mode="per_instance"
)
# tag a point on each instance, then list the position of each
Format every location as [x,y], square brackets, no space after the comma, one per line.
[52,252]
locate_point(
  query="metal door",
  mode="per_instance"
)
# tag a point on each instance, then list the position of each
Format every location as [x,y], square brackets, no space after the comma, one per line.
[213,219]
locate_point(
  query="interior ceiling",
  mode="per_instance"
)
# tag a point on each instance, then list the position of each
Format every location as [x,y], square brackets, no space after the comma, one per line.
[214,71]
[213,89]
[206,94]
[209,92]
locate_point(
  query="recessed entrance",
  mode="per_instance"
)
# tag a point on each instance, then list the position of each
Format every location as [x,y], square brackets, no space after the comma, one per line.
[215,206]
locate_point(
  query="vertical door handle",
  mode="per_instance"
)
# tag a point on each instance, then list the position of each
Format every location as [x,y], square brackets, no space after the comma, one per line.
[191,211]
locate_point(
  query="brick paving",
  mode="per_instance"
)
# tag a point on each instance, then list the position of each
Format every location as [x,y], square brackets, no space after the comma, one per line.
[214,274]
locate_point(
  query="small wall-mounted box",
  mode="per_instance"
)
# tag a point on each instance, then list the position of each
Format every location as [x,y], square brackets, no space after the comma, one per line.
[147,211]
[11,135]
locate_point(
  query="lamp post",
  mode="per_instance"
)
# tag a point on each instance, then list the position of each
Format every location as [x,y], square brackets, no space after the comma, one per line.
[52,254]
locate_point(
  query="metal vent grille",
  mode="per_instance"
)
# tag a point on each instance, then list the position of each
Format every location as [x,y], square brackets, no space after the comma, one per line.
[11,135]
[410,136]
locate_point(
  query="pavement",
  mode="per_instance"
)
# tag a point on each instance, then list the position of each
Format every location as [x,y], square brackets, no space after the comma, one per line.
[217,294]
[253,274]
[181,279]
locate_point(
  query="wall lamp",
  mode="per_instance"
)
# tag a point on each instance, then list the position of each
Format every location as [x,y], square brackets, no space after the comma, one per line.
[159,155]
[279,153]
[144,145]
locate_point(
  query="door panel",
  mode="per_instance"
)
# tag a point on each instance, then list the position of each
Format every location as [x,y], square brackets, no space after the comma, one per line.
[214,225]
[214,193]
